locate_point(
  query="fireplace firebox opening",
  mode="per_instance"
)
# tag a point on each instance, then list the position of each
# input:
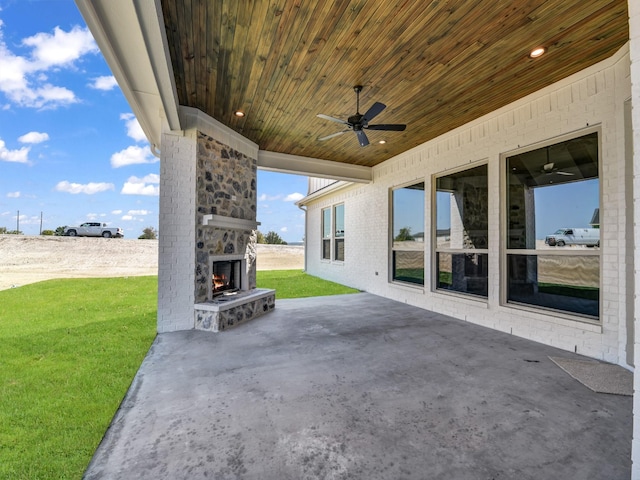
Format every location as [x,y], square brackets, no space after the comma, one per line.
[226,277]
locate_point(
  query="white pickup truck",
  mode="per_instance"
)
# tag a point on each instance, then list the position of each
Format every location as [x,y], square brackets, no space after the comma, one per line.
[94,229]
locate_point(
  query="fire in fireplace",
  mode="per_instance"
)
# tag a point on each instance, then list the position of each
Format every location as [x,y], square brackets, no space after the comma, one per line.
[226,277]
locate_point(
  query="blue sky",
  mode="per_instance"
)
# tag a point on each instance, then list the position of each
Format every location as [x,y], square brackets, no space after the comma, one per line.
[70,146]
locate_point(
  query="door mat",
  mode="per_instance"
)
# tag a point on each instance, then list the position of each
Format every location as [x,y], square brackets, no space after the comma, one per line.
[598,376]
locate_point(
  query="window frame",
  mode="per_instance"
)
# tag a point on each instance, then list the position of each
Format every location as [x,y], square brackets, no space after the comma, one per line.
[333,236]
[435,250]
[391,268]
[504,232]
[338,238]
[323,229]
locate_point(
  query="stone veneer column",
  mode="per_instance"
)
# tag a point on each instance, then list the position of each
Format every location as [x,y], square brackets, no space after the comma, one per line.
[226,188]
[176,232]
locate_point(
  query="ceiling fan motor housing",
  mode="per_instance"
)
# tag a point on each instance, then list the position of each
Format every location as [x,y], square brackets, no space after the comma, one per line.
[356,121]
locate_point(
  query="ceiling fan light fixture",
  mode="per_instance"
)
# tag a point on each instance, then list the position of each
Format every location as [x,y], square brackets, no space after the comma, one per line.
[537,52]
[382,142]
[239,113]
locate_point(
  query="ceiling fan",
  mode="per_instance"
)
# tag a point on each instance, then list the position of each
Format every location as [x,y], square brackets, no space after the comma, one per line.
[358,122]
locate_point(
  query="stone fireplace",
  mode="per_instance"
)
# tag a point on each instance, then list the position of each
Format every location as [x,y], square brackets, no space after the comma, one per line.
[225,270]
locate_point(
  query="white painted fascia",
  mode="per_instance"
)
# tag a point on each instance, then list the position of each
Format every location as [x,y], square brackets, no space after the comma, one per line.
[132,38]
[313,167]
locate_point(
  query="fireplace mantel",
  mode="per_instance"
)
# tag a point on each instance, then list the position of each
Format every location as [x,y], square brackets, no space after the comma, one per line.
[229,222]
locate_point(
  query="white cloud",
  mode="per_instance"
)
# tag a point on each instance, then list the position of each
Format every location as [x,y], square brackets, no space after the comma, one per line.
[138,212]
[18,156]
[88,188]
[116,212]
[13,194]
[142,186]
[131,156]
[264,197]
[284,229]
[293,197]
[106,82]
[127,217]
[34,137]
[60,48]
[23,79]
[134,130]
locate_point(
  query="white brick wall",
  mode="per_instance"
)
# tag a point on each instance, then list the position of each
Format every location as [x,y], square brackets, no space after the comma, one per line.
[634,35]
[595,96]
[176,232]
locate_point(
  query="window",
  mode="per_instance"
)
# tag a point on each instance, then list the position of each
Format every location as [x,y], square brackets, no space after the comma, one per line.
[326,234]
[552,219]
[338,228]
[462,232]
[333,233]
[407,251]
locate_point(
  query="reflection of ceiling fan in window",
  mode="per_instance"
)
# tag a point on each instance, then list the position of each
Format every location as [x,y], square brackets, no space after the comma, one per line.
[549,171]
[549,168]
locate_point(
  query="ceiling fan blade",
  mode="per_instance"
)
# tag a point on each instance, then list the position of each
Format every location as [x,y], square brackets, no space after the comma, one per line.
[332,119]
[332,135]
[362,138]
[396,127]
[375,109]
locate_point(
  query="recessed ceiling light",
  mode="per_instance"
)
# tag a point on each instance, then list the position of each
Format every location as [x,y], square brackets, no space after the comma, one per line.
[239,114]
[537,52]
[382,142]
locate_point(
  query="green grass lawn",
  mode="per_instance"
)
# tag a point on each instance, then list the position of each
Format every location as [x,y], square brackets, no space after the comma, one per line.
[69,350]
[297,284]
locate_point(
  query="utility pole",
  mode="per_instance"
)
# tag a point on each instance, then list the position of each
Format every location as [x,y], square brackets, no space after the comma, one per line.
[18,222]
[40,223]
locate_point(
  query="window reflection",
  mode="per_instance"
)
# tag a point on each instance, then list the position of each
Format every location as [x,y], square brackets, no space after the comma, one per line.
[552,188]
[553,206]
[339,232]
[569,283]
[326,233]
[462,272]
[408,234]
[462,224]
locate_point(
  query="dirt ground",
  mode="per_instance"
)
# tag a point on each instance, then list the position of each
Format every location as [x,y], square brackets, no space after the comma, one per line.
[29,259]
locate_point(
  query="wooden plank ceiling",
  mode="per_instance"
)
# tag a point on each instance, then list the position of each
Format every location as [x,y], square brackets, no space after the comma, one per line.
[435,64]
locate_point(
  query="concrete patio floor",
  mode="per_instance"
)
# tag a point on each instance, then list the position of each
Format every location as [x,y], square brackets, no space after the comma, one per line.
[361,387]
